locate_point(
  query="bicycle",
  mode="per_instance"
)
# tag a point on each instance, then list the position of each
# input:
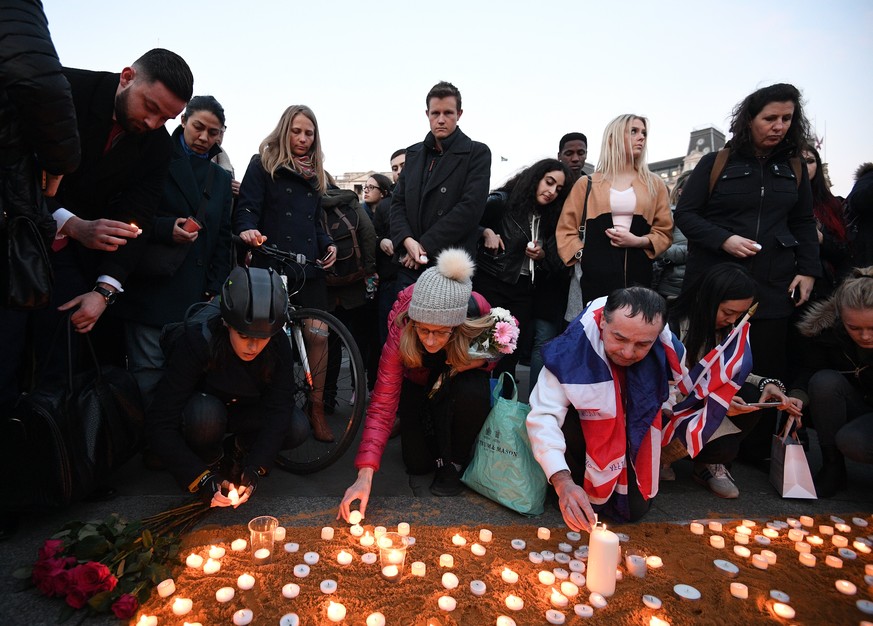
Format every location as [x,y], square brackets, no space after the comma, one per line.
[344,392]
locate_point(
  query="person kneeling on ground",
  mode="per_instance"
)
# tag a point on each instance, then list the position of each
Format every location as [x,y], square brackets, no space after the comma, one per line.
[233,374]
[428,379]
[613,367]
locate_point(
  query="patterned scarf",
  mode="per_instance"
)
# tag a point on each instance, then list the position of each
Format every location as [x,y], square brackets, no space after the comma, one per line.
[304,166]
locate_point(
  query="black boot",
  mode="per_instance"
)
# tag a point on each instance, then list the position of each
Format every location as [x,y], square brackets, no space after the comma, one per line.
[832,476]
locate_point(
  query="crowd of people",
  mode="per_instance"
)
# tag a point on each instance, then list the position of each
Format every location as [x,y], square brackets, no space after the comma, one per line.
[592,264]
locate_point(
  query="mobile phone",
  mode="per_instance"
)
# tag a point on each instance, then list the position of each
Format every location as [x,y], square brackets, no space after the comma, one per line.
[795,294]
[763,404]
[191,225]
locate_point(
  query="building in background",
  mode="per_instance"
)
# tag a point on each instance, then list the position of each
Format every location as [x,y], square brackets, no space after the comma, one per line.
[702,141]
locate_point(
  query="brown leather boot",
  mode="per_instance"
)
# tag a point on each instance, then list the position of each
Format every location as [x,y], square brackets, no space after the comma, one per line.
[320,429]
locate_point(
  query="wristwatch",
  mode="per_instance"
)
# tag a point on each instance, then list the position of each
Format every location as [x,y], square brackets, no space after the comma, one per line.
[109,296]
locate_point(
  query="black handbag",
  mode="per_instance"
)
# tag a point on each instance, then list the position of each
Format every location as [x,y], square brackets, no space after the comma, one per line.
[64,437]
[26,275]
[491,263]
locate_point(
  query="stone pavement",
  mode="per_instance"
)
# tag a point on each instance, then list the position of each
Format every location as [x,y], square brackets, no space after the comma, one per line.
[312,501]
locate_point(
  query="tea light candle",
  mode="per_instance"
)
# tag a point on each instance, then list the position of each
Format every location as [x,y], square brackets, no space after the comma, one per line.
[727,567]
[652,602]
[225,594]
[814,540]
[327,533]
[447,560]
[166,588]
[503,620]
[403,529]
[739,590]
[795,534]
[597,600]
[243,617]
[824,529]
[571,590]
[343,558]
[245,582]
[485,535]
[367,540]
[868,569]
[182,606]
[839,541]
[783,610]
[581,553]
[450,581]
[583,610]
[375,619]
[654,562]
[565,547]
[355,517]
[279,533]
[509,576]
[194,561]
[336,612]
[554,617]
[147,620]
[477,549]
[572,535]
[716,541]
[846,553]
[261,556]
[368,558]
[576,566]
[806,520]
[379,531]
[636,564]
[743,540]
[301,570]
[687,592]
[447,603]
[459,541]
[860,521]
[238,545]
[560,573]
[327,586]
[544,533]
[422,258]
[807,559]
[216,552]
[770,556]
[292,547]
[744,530]
[547,555]
[518,544]
[535,557]
[290,591]
[715,527]
[211,566]
[759,561]
[546,578]
[742,551]
[794,523]
[833,561]
[289,619]
[696,528]
[843,527]
[356,531]
[769,533]
[749,523]
[780,596]
[861,547]
[418,568]
[657,621]
[865,606]
[577,578]
[514,603]
[477,588]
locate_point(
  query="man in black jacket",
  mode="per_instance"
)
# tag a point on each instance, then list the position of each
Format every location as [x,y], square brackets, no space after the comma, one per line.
[441,193]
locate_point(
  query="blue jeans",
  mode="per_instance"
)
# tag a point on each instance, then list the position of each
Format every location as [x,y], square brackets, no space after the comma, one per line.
[840,415]
[543,332]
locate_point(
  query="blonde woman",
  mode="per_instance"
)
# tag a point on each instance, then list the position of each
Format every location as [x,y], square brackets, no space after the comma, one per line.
[280,202]
[628,221]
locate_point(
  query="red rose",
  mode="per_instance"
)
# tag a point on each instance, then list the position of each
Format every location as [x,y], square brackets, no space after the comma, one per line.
[125,607]
[76,598]
[51,577]
[50,549]
[92,578]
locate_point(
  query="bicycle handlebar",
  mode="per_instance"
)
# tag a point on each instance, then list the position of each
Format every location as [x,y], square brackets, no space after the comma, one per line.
[275,253]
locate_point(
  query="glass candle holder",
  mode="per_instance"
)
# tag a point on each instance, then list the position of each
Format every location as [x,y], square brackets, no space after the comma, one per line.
[263,533]
[392,555]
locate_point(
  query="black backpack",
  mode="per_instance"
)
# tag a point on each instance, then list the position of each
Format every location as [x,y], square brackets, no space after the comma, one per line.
[342,222]
[198,314]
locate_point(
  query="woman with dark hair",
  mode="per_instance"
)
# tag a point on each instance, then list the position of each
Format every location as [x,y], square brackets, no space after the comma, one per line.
[670,267]
[517,263]
[830,224]
[703,315]
[377,200]
[758,213]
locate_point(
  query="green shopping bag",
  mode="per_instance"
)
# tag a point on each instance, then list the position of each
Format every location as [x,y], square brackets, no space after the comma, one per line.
[503,466]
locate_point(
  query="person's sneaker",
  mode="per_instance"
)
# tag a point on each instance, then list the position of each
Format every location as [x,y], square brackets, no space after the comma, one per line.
[717,479]
[447,481]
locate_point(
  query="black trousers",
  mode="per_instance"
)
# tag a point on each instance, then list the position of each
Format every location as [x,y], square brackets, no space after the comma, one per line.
[518,299]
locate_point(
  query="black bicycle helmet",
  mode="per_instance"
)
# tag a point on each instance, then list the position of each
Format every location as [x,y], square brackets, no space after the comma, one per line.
[254,301]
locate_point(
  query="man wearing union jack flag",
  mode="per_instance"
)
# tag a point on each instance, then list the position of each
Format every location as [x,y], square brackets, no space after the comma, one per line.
[613,367]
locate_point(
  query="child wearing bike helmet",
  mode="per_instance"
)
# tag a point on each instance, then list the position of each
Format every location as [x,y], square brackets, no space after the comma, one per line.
[232,375]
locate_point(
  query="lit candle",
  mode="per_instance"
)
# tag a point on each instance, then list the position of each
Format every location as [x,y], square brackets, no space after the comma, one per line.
[759,561]
[741,539]
[367,540]
[824,529]
[291,590]
[518,544]
[652,602]
[355,517]
[715,527]
[196,624]
[583,610]
[477,549]
[418,568]
[391,573]
[739,590]
[503,620]
[368,558]
[238,545]
[657,621]
[783,610]
[243,617]
[514,603]
[194,561]
[182,606]
[233,496]
[535,557]
[327,533]
[375,619]
[485,535]
[806,520]
[289,619]
[770,556]
[602,552]
[311,558]
[447,560]
[860,546]
[211,566]
[509,576]
[403,529]
[328,586]
[447,603]
[597,600]
[716,541]
[449,580]
[770,533]
[839,541]
[696,528]
[868,569]
[147,620]
[245,582]
[166,588]
[749,523]
[291,547]
[554,617]
[546,578]
[814,540]
[216,552]
[833,561]
[477,587]
[795,534]
[843,527]
[807,559]
[279,533]
[343,558]
[742,551]
[379,531]
[569,589]
[653,562]
[636,564]
[225,594]
[544,533]
[262,556]
[744,530]
[336,612]
[459,541]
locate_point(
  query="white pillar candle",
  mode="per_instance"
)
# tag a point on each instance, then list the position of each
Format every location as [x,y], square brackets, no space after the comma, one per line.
[546,578]
[597,600]
[795,534]
[783,610]
[447,603]
[292,547]
[355,517]
[336,612]
[458,540]
[301,570]
[327,586]
[839,541]
[289,619]
[403,529]
[518,544]
[166,588]
[514,603]
[477,549]
[216,552]
[544,533]
[503,620]
[803,547]
[583,610]
[375,619]
[182,606]
[571,590]
[368,558]
[418,568]
[343,558]
[602,551]
[716,541]
[356,530]
[770,556]
[509,576]
[485,535]
[741,539]
[759,561]
[243,617]
[279,533]
[807,559]
[238,545]
[194,561]
[447,560]
[824,529]
[833,561]
[696,528]
[807,521]
[535,557]
[225,594]
[291,590]
[450,581]
[327,533]
[211,566]
[554,617]
[739,590]
[477,587]
[245,582]
[367,540]
[742,551]
[653,562]
[715,527]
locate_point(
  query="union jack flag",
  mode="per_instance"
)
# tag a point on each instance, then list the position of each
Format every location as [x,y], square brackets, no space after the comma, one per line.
[709,388]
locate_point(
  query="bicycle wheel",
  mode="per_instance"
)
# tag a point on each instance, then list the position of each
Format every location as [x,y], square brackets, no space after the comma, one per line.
[344,393]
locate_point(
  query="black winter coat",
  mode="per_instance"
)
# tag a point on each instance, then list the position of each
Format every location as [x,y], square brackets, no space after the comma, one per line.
[860,217]
[759,200]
